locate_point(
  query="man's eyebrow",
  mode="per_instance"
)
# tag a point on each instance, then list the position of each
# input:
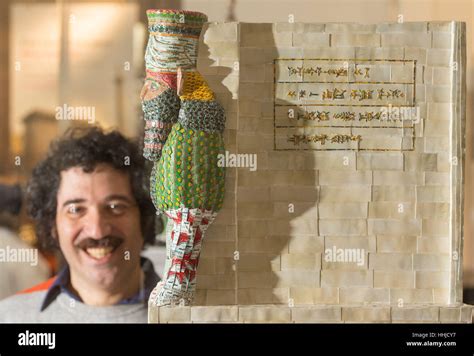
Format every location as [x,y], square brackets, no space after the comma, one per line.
[120,197]
[73,201]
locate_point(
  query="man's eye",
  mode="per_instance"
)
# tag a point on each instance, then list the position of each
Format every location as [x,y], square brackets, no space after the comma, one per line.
[74,209]
[117,208]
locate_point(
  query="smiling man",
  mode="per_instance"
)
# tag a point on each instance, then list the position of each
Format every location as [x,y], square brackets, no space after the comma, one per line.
[88,198]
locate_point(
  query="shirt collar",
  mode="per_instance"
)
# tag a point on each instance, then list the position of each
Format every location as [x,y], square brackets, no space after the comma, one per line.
[61,283]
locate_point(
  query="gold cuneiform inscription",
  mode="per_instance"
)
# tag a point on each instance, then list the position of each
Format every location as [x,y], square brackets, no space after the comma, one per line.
[343,93]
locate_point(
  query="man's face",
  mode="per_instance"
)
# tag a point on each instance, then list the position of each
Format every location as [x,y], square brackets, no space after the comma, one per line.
[98,226]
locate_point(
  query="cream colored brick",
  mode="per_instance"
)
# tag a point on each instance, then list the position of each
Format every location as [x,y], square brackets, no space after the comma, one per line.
[417,54]
[262,35]
[433,244]
[431,279]
[216,32]
[438,94]
[398,194]
[252,73]
[306,244]
[253,229]
[441,295]
[395,210]
[206,266]
[377,161]
[294,194]
[200,296]
[310,39]
[366,243]
[350,27]
[270,245]
[354,227]
[256,279]
[442,75]
[402,297]
[366,314]
[390,261]
[214,249]
[252,296]
[263,314]
[407,244]
[252,262]
[305,295]
[437,194]
[253,210]
[435,228]
[340,278]
[221,281]
[378,53]
[410,28]
[299,225]
[295,278]
[444,162]
[290,210]
[281,295]
[329,52]
[394,227]
[398,279]
[331,160]
[420,162]
[378,142]
[316,314]
[438,57]
[437,128]
[220,297]
[439,111]
[214,314]
[348,39]
[175,315]
[364,295]
[428,262]
[300,261]
[440,26]
[436,178]
[467,314]
[349,178]
[449,315]
[397,178]
[247,194]
[356,260]
[418,39]
[433,210]
[436,144]
[344,194]
[416,314]
[342,210]
[402,73]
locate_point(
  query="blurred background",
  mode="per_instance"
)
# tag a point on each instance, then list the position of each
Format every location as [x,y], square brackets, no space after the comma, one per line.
[87,56]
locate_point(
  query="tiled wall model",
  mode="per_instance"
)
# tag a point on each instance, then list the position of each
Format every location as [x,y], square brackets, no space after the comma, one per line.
[344,198]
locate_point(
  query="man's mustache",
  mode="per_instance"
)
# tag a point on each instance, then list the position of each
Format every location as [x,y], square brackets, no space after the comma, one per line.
[111,240]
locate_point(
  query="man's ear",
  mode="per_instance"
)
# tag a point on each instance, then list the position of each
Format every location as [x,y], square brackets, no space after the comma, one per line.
[54,233]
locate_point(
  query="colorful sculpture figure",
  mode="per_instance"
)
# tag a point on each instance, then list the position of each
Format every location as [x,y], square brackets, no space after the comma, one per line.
[184,127]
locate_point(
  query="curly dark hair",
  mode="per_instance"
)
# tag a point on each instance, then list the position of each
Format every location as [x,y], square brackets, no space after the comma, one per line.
[86,148]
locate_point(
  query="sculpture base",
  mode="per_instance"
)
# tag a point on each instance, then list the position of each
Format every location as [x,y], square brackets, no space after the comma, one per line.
[462,313]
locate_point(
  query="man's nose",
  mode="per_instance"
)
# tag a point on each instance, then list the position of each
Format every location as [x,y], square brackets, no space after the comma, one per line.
[97,224]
